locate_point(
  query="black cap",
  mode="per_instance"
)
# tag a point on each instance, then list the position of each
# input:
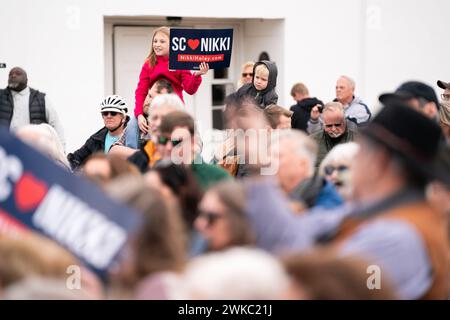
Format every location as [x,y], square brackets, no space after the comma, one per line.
[443,85]
[409,90]
[409,134]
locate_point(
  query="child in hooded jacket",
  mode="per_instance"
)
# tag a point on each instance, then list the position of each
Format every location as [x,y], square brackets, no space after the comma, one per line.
[262,88]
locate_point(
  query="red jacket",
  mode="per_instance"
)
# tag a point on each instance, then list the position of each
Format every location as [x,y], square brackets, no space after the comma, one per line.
[179,79]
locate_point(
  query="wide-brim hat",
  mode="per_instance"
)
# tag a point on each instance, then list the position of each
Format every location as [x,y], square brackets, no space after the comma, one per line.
[410,135]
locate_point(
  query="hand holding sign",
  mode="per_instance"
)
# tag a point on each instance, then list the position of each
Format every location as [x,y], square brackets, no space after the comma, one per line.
[209,47]
[204,68]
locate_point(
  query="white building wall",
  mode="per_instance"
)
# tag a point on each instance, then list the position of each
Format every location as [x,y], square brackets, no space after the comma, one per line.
[378,42]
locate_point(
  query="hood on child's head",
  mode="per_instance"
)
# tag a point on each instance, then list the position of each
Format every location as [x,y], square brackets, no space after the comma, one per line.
[273,72]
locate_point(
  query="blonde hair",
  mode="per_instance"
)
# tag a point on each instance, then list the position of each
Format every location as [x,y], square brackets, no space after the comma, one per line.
[262,68]
[245,66]
[151,58]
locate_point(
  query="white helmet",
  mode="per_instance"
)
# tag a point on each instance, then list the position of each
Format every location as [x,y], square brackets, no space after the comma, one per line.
[114,103]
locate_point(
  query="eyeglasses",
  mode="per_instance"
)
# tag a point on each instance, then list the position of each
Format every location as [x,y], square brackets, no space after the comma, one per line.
[244,75]
[330,169]
[210,217]
[445,97]
[163,140]
[337,125]
[112,113]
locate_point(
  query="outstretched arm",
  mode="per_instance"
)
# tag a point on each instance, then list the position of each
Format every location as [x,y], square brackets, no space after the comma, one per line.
[191,81]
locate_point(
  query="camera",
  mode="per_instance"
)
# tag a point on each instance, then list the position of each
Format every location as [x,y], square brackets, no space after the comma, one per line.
[319,107]
[2,65]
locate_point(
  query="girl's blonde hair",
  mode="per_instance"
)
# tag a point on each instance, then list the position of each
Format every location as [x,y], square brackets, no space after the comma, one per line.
[151,58]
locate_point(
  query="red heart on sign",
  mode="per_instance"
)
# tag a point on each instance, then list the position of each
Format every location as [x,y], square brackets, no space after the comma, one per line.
[193,43]
[29,192]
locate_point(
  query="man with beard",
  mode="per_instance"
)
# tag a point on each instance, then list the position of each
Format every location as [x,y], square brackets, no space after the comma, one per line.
[21,105]
[335,130]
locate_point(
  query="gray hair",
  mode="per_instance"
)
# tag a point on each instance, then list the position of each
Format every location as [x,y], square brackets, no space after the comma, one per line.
[350,81]
[166,100]
[44,138]
[304,145]
[344,152]
[334,106]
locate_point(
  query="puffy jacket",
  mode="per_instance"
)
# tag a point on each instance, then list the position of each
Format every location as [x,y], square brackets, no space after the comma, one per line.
[36,107]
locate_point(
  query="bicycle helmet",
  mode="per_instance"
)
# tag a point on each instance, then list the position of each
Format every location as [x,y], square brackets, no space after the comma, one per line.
[114,103]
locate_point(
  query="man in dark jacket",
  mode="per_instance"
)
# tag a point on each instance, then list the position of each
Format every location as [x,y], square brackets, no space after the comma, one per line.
[114,113]
[21,105]
[262,88]
[335,130]
[302,110]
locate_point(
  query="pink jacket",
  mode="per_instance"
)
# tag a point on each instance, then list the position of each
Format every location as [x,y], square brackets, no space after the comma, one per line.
[179,79]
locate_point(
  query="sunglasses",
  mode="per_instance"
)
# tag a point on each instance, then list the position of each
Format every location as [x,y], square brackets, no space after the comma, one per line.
[337,125]
[247,75]
[330,169]
[163,140]
[112,113]
[210,217]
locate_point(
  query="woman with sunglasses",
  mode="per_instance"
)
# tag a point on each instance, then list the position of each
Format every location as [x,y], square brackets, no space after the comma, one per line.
[221,220]
[336,167]
[246,74]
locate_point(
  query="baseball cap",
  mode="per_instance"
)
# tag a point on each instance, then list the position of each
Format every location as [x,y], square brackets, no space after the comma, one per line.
[410,90]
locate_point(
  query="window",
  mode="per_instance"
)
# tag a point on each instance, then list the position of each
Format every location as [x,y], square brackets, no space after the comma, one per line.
[219,92]
[221,73]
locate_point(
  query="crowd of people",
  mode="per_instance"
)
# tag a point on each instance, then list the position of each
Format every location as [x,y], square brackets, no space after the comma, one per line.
[297,203]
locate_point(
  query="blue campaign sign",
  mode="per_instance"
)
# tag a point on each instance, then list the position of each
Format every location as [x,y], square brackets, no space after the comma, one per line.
[38,194]
[190,47]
